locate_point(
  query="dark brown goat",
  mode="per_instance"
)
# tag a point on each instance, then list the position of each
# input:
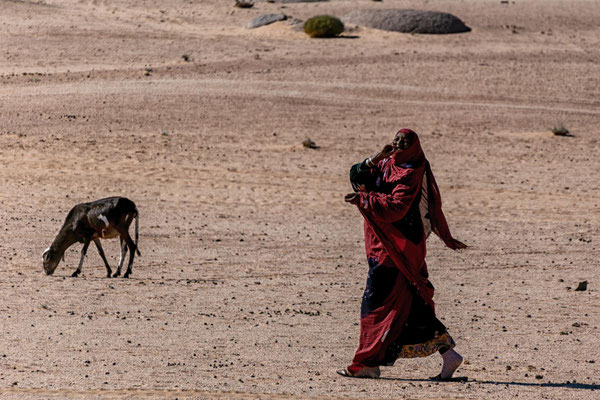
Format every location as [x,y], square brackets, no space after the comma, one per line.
[101,219]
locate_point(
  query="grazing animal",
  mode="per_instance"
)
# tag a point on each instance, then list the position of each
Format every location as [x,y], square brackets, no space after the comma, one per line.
[101,219]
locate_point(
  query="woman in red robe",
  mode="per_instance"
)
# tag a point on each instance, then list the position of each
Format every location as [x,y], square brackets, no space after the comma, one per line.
[396,192]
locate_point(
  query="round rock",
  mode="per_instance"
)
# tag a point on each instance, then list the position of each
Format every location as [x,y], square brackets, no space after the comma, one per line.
[407,21]
[265,20]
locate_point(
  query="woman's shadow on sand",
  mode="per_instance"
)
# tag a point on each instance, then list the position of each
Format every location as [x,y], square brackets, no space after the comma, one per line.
[565,385]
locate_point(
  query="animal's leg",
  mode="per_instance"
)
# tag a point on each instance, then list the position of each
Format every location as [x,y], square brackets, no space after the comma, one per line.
[137,224]
[83,251]
[132,249]
[122,258]
[101,251]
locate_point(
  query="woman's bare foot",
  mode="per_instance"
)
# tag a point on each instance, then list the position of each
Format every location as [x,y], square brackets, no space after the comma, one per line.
[365,372]
[452,361]
[369,372]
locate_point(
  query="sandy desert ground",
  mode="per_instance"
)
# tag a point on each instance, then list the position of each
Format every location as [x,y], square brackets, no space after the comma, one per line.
[252,266]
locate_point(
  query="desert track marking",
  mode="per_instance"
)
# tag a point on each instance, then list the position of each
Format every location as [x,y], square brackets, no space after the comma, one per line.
[287,89]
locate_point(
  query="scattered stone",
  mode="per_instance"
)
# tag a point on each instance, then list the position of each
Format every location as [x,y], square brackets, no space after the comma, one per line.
[244,4]
[265,19]
[561,131]
[309,144]
[582,286]
[407,21]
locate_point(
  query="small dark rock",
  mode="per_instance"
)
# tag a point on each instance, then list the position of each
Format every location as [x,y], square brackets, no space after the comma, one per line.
[582,286]
[244,4]
[561,131]
[309,144]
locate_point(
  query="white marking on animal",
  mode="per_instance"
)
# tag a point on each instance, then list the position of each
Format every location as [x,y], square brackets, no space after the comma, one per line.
[104,219]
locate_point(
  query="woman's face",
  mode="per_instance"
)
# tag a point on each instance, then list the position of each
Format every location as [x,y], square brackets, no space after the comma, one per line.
[402,141]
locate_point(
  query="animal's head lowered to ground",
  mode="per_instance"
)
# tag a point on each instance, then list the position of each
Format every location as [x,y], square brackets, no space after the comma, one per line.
[51,259]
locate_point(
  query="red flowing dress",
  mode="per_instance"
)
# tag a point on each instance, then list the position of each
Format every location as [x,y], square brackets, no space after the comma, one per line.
[401,205]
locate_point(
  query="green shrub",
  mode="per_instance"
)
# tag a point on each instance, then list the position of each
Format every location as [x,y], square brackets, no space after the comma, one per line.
[323,26]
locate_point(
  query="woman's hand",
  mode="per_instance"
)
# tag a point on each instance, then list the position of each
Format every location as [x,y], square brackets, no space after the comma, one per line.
[387,151]
[458,245]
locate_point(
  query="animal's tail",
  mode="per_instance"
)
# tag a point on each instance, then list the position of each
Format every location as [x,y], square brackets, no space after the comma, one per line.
[137,225]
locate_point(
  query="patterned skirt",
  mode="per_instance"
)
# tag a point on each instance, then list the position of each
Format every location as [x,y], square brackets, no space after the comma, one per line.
[422,335]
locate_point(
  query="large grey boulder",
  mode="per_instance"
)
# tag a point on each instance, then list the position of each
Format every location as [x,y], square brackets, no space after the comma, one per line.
[265,20]
[407,21]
